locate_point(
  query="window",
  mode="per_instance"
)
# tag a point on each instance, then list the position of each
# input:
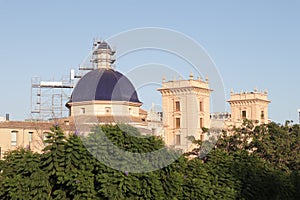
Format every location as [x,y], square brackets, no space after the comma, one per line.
[201,106]
[177,140]
[107,110]
[82,110]
[177,120]
[153,131]
[177,106]
[201,122]
[30,136]
[262,115]
[244,114]
[14,138]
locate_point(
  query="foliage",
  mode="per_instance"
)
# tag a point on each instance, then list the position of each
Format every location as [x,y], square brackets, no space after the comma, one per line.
[252,162]
[22,178]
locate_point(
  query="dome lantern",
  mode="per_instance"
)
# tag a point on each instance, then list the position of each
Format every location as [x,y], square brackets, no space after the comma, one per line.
[102,56]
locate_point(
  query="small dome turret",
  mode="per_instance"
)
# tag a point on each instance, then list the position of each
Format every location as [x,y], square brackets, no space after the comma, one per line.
[102,55]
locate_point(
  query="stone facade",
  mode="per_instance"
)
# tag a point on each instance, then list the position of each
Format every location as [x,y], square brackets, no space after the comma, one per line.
[30,135]
[249,105]
[100,108]
[186,110]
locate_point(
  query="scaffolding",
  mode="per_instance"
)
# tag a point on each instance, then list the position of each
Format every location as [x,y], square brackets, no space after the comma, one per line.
[48,98]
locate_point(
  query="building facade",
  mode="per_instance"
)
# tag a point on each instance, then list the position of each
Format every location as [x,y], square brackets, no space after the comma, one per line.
[249,105]
[28,134]
[186,110]
[104,95]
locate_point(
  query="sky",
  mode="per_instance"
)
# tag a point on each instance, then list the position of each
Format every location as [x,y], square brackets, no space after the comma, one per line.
[254,44]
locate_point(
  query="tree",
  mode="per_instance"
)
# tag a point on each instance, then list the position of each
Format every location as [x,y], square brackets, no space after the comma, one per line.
[243,165]
[121,184]
[21,177]
[53,161]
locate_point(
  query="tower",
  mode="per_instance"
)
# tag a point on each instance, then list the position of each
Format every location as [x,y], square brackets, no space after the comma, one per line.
[102,55]
[249,105]
[186,110]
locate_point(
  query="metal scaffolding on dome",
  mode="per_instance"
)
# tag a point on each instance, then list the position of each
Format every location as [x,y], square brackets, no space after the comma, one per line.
[48,98]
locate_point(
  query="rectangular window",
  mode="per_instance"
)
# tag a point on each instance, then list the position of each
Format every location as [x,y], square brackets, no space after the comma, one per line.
[14,138]
[201,122]
[153,131]
[201,106]
[30,136]
[177,140]
[177,121]
[262,115]
[244,114]
[177,106]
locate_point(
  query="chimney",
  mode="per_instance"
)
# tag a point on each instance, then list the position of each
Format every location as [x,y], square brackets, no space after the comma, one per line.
[7,117]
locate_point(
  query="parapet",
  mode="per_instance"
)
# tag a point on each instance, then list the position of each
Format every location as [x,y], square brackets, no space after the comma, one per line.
[244,95]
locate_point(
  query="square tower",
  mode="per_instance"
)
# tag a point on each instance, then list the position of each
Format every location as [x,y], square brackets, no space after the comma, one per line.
[186,110]
[249,105]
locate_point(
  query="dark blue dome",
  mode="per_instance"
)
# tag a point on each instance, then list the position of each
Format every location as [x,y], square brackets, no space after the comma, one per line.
[104,84]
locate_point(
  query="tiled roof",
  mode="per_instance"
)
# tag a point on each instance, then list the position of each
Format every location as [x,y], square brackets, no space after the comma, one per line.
[69,123]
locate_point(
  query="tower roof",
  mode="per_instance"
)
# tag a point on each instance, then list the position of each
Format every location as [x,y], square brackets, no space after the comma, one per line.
[102,45]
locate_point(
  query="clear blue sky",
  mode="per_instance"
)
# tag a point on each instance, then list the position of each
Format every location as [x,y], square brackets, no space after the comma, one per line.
[253,43]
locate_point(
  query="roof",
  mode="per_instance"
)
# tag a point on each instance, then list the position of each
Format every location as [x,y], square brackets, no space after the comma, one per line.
[103,45]
[69,123]
[104,84]
[35,125]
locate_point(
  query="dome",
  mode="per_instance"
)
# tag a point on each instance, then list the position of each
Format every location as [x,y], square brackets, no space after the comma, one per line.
[103,45]
[106,85]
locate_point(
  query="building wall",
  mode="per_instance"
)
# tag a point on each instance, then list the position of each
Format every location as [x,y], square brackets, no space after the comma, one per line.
[188,94]
[99,108]
[25,138]
[253,104]
[30,135]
